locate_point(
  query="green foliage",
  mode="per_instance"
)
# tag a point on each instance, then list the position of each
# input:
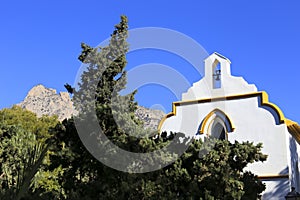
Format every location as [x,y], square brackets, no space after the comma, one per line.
[217,175]
[24,144]
[101,83]
[220,172]
[16,116]
[43,159]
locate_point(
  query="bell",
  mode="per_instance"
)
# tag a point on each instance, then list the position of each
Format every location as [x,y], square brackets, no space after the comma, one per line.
[217,75]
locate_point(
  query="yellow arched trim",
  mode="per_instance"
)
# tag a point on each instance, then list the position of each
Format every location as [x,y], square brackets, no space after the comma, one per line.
[163,120]
[201,131]
[274,176]
[263,96]
[294,129]
[167,116]
[265,102]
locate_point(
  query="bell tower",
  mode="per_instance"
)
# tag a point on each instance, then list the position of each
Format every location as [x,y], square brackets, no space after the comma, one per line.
[217,68]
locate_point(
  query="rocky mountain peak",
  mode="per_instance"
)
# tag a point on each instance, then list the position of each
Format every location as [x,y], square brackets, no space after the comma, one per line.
[40,90]
[46,101]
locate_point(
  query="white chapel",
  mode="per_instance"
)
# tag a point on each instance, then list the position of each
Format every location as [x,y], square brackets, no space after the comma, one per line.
[227,107]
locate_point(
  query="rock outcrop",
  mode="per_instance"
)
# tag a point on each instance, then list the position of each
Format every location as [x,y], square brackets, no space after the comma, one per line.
[46,101]
[151,118]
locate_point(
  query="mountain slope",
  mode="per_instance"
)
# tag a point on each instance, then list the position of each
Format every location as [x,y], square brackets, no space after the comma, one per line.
[46,101]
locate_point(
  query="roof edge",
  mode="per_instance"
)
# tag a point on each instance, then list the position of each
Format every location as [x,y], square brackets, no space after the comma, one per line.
[294,129]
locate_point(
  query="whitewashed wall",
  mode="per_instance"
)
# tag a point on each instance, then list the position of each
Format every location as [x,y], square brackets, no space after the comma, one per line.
[251,121]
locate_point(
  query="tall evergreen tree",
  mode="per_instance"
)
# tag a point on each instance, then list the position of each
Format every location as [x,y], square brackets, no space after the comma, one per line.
[102,81]
[218,175]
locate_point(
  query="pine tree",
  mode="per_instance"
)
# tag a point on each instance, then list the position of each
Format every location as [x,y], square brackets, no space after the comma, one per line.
[103,80]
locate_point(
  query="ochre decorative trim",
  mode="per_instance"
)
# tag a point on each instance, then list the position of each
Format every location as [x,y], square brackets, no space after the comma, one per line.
[264,103]
[294,130]
[277,176]
[229,129]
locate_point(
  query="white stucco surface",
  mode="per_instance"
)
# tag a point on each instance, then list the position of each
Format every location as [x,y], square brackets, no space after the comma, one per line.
[250,119]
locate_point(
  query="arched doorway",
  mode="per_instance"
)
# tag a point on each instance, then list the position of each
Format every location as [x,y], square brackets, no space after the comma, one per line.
[216,124]
[218,131]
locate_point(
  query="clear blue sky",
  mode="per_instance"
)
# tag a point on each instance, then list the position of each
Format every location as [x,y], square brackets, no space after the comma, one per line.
[40,42]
